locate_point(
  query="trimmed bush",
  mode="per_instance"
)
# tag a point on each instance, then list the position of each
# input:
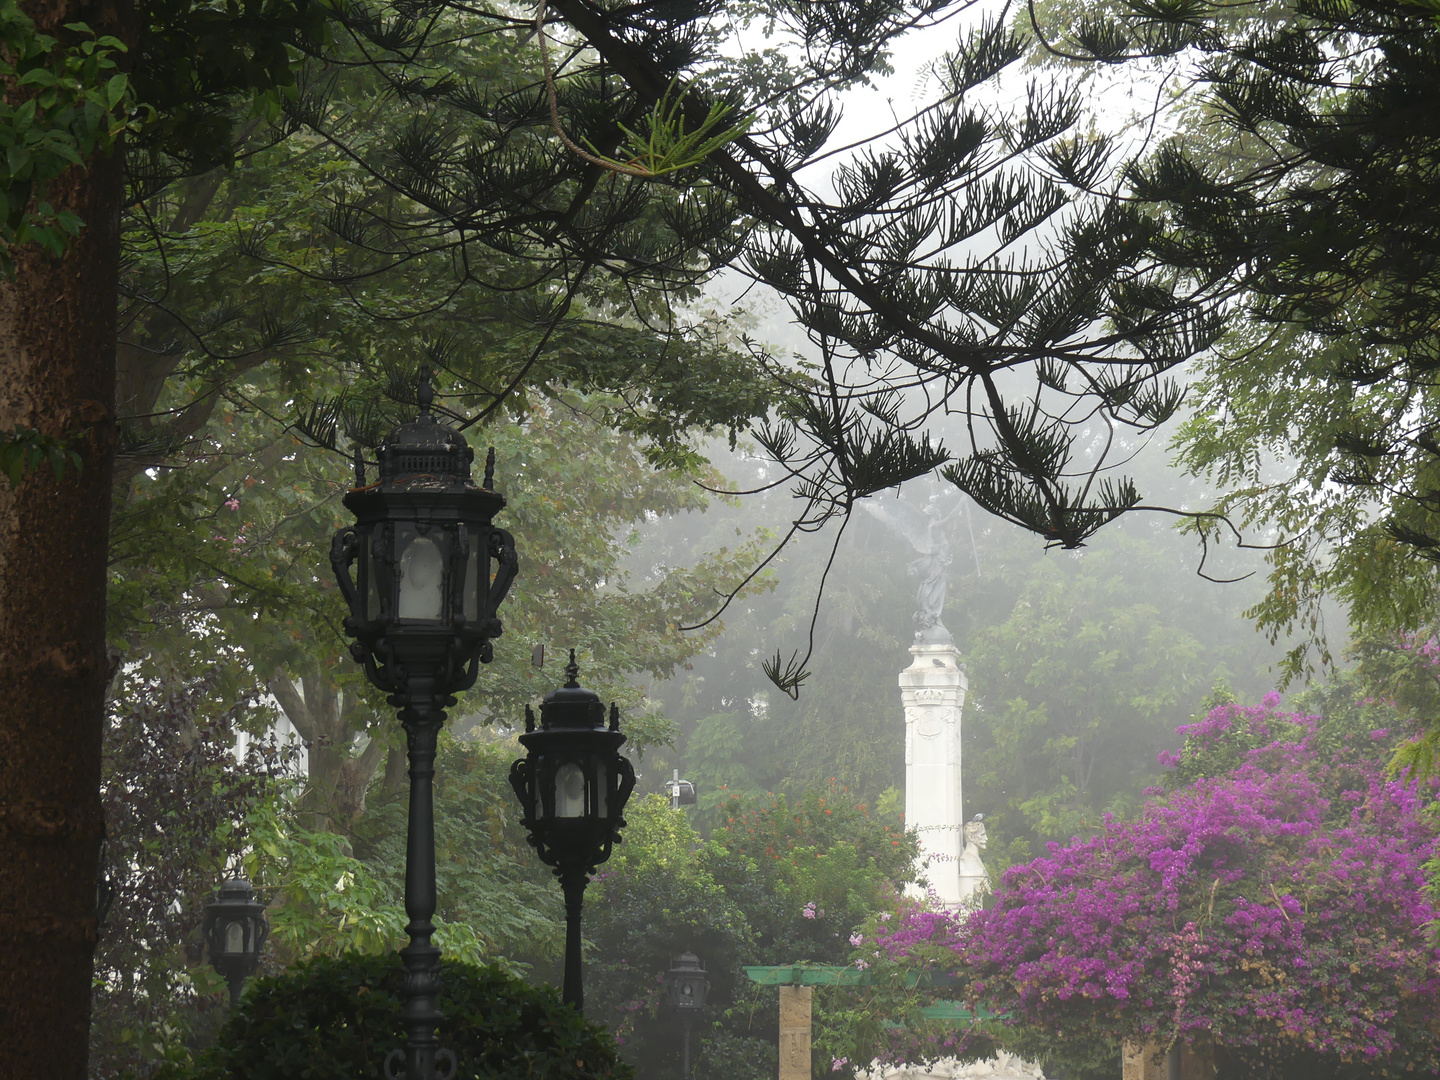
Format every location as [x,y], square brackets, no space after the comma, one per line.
[336,1018]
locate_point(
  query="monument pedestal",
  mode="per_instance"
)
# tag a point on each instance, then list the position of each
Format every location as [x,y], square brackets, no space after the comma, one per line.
[933,691]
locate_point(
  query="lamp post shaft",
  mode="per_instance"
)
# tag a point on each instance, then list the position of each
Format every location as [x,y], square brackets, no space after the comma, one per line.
[420,1013]
[685,1067]
[573,993]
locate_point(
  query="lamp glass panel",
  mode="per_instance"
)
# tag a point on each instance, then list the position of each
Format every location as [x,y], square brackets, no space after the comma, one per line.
[472,581]
[602,785]
[570,791]
[422,578]
[235,937]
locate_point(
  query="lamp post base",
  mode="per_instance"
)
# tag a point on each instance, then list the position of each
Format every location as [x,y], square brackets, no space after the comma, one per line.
[418,1061]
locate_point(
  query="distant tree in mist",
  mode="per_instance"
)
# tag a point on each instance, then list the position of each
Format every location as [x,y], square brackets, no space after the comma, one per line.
[1080,667]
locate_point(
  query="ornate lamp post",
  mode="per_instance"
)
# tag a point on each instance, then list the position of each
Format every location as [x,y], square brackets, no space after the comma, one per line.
[572,785]
[686,986]
[235,930]
[423,570]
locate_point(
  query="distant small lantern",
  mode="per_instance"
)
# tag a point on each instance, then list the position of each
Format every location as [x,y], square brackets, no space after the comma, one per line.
[680,792]
[573,785]
[686,987]
[235,930]
[687,984]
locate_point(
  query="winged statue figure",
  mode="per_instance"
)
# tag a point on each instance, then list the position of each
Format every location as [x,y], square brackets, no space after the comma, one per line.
[925,531]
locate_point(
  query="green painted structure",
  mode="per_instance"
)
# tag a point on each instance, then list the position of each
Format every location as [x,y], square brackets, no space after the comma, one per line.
[831,975]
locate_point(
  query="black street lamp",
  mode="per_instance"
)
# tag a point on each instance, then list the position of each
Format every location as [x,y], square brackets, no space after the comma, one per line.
[572,785]
[423,570]
[686,986]
[235,930]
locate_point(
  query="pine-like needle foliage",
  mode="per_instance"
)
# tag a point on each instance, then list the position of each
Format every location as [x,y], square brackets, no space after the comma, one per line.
[959,263]
[968,263]
[1303,183]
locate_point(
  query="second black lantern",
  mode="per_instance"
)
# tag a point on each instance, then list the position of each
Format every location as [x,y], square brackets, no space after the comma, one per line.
[573,785]
[686,986]
[235,929]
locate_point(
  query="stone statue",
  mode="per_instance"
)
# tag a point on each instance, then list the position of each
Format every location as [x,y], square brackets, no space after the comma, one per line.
[974,879]
[924,530]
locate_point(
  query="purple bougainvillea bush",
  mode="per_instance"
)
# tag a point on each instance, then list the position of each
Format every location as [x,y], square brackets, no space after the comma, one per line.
[1278,908]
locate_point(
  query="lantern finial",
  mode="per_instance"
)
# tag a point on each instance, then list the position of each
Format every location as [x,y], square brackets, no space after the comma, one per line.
[614,717]
[489,484]
[359,467]
[529,719]
[572,673]
[426,394]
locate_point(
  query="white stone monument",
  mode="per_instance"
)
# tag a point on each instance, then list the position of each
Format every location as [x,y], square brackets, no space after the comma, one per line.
[933,690]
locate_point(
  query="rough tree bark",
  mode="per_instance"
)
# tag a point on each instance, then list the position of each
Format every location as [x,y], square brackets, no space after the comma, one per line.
[57,375]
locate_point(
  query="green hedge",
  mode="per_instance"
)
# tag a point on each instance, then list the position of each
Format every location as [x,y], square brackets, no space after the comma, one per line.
[336,1018]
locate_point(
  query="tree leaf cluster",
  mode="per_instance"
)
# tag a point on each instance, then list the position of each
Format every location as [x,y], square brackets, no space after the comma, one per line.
[25,449]
[72,100]
[177,802]
[948,255]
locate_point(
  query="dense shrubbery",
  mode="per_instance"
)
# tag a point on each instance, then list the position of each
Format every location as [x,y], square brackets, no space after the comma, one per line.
[823,857]
[336,1018]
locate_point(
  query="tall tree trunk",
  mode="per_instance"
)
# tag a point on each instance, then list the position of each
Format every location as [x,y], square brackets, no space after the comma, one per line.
[57,374]
[338,777]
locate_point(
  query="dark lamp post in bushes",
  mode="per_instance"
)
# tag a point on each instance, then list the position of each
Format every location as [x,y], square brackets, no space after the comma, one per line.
[686,987]
[235,930]
[572,785]
[423,570]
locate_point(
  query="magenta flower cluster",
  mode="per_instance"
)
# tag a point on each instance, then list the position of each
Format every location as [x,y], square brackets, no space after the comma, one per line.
[1426,649]
[1280,907]
[916,932]
[892,947]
